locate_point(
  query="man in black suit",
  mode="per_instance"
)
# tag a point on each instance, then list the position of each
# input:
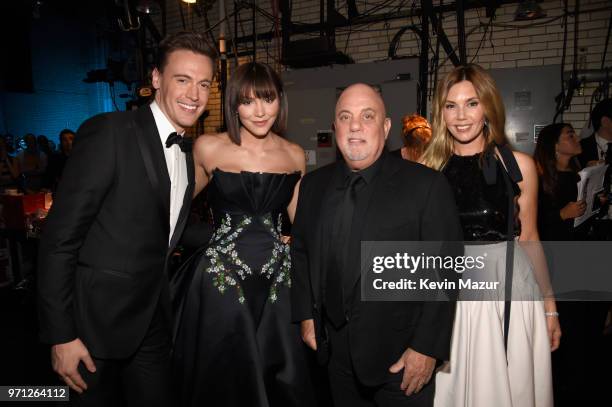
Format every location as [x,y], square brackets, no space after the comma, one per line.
[595,147]
[120,208]
[380,353]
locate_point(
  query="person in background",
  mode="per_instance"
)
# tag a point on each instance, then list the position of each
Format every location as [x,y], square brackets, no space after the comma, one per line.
[555,155]
[597,149]
[33,164]
[9,167]
[44,145]
[577,380]
[416,133]
[57,161]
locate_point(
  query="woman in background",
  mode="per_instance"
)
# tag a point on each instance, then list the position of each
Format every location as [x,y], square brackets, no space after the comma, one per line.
[555,154]
[416,133]
[576,376]
[500,350]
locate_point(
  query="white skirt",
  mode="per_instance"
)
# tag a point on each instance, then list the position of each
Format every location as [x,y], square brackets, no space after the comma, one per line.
[479,373]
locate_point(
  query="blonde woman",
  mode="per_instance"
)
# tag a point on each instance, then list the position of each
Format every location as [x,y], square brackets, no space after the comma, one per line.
[500,351]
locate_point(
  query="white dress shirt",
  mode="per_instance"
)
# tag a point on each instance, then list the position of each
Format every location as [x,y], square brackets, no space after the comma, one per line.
[602,146]
[602,150]
[176,163]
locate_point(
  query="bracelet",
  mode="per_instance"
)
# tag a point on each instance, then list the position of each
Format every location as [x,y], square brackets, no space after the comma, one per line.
[552,314]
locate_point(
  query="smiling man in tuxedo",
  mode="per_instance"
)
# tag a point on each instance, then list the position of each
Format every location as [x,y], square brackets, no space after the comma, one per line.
[120,208]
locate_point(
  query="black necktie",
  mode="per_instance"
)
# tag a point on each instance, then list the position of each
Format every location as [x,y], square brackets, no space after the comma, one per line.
[334,295]
[185,143]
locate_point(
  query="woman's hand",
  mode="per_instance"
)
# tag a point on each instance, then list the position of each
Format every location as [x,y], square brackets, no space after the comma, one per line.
[554,332]
[573,210]
[552,323]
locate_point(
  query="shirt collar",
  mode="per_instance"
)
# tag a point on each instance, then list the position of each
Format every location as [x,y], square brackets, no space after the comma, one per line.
[368,174]
[602,143]
[164,127]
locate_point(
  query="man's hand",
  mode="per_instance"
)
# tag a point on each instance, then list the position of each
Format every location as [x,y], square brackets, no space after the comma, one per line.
[308,333]
[418,369]
[65,359]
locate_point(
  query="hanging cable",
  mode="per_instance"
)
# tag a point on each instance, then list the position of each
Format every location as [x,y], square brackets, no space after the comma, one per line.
[560,99]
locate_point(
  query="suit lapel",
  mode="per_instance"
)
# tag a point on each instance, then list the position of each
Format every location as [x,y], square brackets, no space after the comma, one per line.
[151,151]
[594,150]
[324,231]
[183,215]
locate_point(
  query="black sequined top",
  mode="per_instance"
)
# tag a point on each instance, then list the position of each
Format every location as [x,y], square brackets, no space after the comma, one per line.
[483,208]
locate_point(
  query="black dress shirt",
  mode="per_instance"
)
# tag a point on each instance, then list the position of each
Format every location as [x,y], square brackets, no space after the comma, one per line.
[347,261]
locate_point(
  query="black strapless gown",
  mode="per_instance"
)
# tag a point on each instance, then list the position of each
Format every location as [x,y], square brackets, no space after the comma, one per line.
[235,344]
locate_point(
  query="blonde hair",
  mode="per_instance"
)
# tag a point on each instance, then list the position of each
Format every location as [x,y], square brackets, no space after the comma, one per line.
[440,147]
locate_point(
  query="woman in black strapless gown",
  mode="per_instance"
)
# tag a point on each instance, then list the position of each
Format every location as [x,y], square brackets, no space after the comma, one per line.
[235,344]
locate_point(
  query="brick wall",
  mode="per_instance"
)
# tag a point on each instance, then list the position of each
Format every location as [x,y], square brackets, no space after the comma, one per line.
[507,44]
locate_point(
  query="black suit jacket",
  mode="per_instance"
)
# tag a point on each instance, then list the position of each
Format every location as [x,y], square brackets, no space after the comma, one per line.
[409,203]
[589,150]
[104,250]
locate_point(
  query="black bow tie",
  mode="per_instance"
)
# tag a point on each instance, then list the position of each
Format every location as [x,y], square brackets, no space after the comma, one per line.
[185,143]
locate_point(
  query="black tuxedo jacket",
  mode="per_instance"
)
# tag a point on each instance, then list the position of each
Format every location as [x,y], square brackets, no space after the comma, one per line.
[104,250]
[409,203]
[589,150]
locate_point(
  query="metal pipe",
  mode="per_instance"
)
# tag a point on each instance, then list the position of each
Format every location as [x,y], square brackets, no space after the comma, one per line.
[590,75]
[427,7]
[461,31]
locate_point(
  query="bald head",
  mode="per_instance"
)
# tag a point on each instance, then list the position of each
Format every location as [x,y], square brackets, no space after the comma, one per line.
[361,125]
[362,90]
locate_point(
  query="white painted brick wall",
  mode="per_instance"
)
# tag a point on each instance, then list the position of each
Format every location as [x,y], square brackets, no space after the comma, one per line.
[503,47]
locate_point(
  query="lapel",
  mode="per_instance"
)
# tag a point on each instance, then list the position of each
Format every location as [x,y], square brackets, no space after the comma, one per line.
[370,212]
[152,153]
[184,213]
[384,188]
[594,149]
[326,212]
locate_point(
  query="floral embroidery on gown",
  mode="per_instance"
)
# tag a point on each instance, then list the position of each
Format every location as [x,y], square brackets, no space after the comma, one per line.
[235,344]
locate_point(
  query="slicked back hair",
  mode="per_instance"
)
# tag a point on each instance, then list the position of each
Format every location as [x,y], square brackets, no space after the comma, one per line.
[184,40]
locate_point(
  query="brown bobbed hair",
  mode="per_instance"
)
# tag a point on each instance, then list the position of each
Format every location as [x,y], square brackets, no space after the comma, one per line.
[440,148]
[184,40]
[254,80]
